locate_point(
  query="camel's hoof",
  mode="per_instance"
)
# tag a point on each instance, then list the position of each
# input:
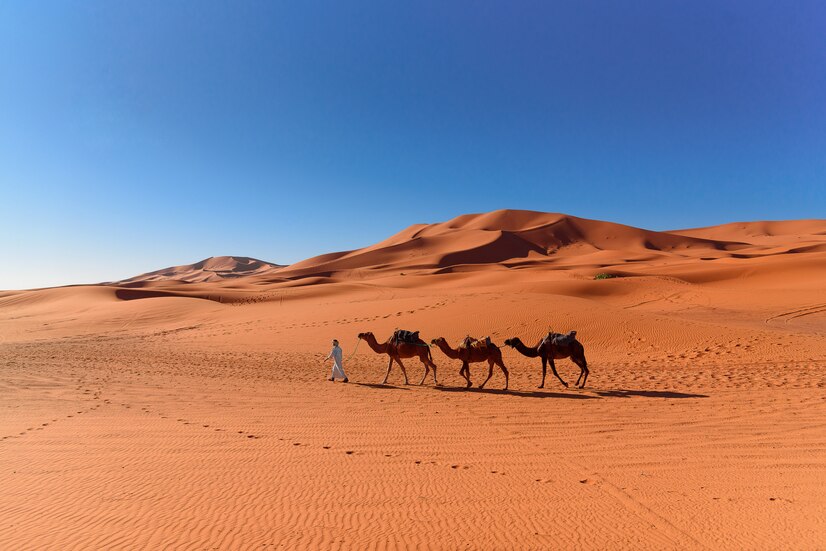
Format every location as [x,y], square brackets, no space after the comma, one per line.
[541,386]
[565,385]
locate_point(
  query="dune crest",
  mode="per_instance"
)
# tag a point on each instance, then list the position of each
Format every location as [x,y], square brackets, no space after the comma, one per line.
[214,268]
[530,239]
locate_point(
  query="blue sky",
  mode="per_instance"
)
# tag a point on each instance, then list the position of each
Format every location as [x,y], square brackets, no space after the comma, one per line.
[137,135]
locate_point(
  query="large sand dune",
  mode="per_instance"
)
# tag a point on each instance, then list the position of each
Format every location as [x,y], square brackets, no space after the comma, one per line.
[215,268]
[189,408]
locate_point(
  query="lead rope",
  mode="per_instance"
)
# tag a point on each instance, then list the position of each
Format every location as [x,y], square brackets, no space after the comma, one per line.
[354,352]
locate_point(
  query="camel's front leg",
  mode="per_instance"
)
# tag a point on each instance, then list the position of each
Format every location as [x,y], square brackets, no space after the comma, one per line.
[386,375]
[465,372]
[404,371]
[490,374]
[553,368]
[544,371]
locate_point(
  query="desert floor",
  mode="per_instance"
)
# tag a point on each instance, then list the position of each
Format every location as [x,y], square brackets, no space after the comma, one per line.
[188,423]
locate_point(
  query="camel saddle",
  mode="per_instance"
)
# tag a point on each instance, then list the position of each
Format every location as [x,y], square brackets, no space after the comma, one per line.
[400,336]
[558,339]
[469,342]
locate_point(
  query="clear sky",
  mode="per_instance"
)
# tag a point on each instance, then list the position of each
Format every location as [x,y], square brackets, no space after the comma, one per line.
[138,135]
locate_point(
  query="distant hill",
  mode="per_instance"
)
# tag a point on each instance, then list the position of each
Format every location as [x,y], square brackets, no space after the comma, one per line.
[214,268]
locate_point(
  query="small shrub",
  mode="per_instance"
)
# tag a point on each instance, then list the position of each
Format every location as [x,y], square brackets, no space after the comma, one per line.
[605,276]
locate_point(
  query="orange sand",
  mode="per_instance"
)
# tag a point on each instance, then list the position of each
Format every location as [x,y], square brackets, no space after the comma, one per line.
[195,414]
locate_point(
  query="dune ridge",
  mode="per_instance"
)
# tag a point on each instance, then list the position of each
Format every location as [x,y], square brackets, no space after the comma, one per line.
[214,268]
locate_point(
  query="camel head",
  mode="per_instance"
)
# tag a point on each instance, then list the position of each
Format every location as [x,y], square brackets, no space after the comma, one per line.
[437,341]
[512,342]
[365,335]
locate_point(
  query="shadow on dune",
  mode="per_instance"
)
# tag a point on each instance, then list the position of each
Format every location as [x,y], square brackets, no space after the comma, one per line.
[624,393]
[588,394]
[521,393]
[378,385]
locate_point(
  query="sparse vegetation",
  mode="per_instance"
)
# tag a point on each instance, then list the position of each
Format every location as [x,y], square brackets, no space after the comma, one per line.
[605,276]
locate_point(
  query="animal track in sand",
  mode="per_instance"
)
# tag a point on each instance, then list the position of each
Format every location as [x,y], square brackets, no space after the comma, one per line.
[47,424]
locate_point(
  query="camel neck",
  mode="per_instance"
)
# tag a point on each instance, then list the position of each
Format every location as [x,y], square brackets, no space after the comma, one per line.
[374,344]
[526,351]
[448,351]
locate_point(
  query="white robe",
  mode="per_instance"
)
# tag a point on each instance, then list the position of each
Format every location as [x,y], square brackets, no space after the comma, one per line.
[338,368]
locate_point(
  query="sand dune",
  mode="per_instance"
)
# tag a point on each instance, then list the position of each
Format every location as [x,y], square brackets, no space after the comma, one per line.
[509,237]
[188,408]
[214,268]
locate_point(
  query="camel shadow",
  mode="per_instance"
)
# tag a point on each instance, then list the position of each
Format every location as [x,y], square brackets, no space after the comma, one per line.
[520,393]
[381,386]
[625,393]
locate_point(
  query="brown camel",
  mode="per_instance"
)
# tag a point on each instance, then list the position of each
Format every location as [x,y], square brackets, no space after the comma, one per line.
[549,351]
[400,350]
[473,354]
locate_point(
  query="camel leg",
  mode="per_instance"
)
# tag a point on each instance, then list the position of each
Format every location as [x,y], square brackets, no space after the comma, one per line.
[426,371]
[490,374]
[386,375]
[553,368]
[583,373]
[544,371]
[465,372]
[404,371]
[435,382]
[505,371]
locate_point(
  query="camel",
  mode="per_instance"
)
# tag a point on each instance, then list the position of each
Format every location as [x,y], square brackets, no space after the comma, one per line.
[400,350]
[468,354]
[550,351]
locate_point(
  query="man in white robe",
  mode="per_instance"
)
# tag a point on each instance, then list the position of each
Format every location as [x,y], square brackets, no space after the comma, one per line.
[338,368]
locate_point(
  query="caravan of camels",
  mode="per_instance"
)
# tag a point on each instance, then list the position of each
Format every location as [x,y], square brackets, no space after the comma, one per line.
[407,344]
